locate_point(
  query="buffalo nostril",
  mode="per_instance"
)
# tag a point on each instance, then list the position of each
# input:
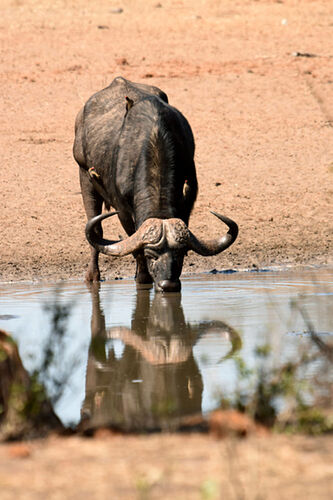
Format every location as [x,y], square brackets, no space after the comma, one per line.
[168,286]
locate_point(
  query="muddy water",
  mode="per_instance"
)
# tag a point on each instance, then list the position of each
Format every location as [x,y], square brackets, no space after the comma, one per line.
[142,360]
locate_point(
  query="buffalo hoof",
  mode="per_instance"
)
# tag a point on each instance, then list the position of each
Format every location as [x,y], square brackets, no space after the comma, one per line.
[92,276]
[143,278]
[168,286]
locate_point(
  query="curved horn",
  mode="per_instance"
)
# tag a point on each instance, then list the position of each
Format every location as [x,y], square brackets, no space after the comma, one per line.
[213,247]
[150,232]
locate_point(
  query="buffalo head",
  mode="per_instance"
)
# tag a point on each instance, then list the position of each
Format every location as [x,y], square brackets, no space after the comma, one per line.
[164,243]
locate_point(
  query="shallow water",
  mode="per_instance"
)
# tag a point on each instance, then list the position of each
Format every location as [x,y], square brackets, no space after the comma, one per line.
[141,360]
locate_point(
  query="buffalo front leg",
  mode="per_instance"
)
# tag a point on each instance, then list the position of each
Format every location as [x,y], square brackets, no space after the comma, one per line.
[93,203]
[142,276]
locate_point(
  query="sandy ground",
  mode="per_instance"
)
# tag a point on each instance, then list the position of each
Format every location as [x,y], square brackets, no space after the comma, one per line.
[254,79]
[168,467]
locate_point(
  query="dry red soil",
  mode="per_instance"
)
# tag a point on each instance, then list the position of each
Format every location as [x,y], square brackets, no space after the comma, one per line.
[168,467]
[255,81]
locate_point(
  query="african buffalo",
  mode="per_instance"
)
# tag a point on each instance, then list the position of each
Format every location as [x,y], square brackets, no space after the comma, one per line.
[135,153]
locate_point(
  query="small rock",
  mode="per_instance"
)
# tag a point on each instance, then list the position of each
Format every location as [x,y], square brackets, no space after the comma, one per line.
[118,10]
[122,61]
[303,54]
[103,433]
[223,423]
[19,450]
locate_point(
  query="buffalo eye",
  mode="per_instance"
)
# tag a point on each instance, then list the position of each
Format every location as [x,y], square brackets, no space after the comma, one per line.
[150,254]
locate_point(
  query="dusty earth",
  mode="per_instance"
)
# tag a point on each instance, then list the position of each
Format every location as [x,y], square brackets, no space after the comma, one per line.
[255,80]
[168,467]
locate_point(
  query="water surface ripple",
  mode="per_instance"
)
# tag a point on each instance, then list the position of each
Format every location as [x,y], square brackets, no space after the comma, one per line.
[142,360]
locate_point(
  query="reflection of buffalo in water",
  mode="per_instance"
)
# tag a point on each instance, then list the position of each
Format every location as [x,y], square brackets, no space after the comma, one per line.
[155,380]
